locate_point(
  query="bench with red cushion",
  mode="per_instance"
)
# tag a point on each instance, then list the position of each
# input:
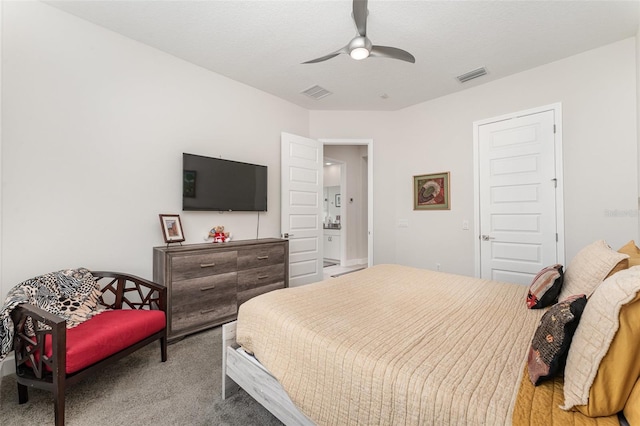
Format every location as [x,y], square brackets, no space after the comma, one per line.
[57,357]
[106,334]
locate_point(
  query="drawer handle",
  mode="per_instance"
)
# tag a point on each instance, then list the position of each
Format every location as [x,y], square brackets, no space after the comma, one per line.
[206,311]
[207,265]
[211,287]
[263,257]
[262,277]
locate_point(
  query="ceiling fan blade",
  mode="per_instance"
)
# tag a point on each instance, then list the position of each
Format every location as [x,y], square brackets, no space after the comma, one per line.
[329,56]
[360,16]
[393,53]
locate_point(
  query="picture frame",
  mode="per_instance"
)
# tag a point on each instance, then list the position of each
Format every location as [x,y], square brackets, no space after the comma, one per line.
[171,228]
[338,201]
[432,191]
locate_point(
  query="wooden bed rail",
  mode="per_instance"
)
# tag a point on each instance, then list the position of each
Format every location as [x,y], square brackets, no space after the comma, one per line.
[239,371]
[229,387]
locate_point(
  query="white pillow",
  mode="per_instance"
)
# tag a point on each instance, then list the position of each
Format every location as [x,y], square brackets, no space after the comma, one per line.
[597,327]
[589,268]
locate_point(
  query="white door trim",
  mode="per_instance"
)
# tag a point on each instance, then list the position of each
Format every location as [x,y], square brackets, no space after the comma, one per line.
[369,144]
[344,216]
[557,113]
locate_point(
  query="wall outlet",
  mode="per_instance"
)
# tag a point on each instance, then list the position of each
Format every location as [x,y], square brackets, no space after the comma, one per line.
[465,225]
[437,266]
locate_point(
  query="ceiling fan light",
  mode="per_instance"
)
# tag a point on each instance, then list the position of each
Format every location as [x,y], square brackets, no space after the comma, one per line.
[360,48]
[359,53]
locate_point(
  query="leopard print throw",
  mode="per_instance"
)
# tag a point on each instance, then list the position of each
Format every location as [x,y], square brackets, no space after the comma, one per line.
[71,294]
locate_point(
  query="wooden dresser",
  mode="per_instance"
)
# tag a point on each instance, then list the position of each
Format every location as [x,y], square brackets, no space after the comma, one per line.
[206,283]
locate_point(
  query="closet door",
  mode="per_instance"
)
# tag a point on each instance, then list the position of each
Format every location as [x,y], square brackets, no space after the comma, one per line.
[518,187]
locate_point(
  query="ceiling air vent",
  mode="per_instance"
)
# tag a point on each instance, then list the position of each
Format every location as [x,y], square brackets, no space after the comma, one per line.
[472,74]
[316,92]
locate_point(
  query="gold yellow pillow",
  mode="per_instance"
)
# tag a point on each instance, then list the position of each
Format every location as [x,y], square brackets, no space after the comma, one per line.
[621,266]
[598,381]
[632,407]
[619,369]
[633,251]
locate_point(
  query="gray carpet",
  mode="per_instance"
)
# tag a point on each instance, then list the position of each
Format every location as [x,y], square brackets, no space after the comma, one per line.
[141,390]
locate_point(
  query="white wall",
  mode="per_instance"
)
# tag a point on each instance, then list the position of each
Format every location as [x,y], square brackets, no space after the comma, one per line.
[94,129]
[94,125]
[598,94]
[332,175]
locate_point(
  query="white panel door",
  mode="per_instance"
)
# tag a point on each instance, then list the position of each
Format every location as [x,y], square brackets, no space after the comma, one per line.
[517,189]
[301,207]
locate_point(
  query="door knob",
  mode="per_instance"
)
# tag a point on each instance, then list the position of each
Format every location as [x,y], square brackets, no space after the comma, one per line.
[486,238]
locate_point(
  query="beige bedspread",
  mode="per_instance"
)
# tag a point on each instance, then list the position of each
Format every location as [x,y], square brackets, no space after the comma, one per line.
[394,345]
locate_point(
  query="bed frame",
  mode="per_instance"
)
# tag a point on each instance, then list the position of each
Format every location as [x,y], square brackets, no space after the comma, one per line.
[241,370]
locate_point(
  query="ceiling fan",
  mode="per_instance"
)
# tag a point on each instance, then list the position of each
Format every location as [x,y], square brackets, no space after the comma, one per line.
[361,47]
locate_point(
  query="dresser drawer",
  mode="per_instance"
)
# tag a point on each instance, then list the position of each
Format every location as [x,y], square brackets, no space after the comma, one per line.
[205,288]
[243,296]
[203,300]
[257,281]
[195,265]
[191,317]
[258,277]
[263,255]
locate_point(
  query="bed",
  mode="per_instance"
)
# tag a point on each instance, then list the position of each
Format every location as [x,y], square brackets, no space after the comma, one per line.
[393,345]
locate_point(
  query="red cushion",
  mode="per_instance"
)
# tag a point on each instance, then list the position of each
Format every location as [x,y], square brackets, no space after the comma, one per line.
[107,333]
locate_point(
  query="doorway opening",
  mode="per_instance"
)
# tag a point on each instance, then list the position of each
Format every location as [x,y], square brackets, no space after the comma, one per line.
[344,203]
[301,215]
[348,221]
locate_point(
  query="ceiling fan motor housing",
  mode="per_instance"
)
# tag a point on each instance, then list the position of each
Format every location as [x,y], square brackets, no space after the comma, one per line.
[360,47]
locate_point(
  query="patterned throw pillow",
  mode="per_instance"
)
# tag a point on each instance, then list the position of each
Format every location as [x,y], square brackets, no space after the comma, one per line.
[551,341]
[545,287]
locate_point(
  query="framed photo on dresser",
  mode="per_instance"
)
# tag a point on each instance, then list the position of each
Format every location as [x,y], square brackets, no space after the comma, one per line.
[171,228]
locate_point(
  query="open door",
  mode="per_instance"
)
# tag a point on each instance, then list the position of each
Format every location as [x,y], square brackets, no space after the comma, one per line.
[301,207]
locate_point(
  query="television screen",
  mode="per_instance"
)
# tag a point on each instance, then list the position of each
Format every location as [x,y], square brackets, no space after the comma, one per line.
[222,185]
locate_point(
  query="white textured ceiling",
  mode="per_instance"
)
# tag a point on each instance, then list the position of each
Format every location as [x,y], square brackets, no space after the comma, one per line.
[262,43]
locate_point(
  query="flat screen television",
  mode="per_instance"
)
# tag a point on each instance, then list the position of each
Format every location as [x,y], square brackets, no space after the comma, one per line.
[222,185]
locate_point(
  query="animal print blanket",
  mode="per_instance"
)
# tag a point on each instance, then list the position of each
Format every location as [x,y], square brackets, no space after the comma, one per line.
[71,294]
